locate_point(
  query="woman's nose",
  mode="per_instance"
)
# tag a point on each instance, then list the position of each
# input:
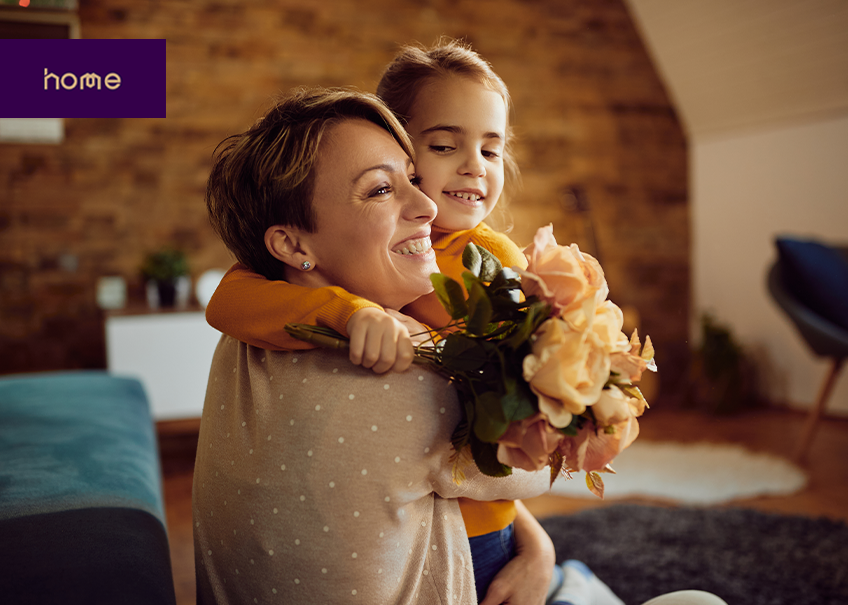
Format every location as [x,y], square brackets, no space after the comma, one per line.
[419,207]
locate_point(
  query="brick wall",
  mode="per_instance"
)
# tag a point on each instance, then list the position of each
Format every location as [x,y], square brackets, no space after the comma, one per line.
[601,150]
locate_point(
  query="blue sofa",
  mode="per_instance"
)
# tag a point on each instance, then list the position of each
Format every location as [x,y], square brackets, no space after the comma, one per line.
[81,510]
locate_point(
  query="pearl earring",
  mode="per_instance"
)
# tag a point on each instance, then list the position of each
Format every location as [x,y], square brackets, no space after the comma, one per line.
[305,265]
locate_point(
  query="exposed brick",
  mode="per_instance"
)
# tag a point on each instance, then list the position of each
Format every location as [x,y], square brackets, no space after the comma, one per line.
[591,115]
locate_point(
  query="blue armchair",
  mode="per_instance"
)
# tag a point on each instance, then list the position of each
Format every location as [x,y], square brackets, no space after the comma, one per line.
[809,282]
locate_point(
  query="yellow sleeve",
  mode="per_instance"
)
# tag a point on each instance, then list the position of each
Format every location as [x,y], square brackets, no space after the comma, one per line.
[255,310]
[500,245]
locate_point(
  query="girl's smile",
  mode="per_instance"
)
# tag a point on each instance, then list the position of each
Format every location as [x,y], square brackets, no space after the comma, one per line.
[458,129]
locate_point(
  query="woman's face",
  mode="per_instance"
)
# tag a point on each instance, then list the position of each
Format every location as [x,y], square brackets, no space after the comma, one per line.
[373,223]
[458,127]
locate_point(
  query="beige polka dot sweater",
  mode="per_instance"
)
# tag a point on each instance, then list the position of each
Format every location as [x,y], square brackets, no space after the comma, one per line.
[319,482]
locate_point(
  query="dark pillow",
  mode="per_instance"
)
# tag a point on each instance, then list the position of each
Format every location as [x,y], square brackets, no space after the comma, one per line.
[817,275]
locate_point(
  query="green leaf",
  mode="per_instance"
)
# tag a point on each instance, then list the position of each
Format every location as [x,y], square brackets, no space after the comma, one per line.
[479,309]
[450,294]
[506,310]
[506,281]
[460,353]
[489,421]
[471,259]
[518,402]
[491,265]
[486,458]
[536,313]
[481,263]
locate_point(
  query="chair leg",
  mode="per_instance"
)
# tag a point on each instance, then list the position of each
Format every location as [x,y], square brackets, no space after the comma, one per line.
[816,412]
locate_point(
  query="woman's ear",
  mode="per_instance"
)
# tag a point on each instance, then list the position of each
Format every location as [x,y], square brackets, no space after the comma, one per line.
[289,245]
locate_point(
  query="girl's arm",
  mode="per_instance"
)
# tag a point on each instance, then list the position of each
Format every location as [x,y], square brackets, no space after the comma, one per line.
[526,578]
[255,310]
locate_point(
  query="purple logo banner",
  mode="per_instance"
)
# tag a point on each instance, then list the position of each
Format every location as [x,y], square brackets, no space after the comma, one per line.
[82,79]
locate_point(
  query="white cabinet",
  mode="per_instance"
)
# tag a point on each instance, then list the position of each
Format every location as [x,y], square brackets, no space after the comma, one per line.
[170,352]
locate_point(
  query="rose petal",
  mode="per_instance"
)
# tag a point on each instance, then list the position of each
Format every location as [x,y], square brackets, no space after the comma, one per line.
[528,443]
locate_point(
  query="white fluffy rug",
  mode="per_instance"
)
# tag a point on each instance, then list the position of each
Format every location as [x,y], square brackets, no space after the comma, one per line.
[694,474]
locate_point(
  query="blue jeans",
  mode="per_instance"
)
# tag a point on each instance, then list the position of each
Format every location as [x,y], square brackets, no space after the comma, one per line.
[489,553]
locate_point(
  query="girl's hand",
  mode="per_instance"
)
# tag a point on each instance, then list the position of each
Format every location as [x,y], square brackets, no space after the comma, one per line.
[379,341]
[418,331]
[525,579]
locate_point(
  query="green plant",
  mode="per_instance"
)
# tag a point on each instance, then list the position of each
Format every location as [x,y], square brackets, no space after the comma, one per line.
[724,377]
[166,264]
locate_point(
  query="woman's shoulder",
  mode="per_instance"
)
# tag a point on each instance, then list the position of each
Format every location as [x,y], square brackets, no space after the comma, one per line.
[316,374]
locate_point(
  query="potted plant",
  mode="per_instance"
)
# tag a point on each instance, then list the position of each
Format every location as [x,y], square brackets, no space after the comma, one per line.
[164,268]
[724,377]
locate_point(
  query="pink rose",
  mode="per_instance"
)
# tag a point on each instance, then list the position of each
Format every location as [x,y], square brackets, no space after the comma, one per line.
[567,370]
[527,444]
[592,449]
[570,281]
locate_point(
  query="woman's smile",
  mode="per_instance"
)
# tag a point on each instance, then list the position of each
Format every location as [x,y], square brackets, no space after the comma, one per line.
[419,246]
[373,235]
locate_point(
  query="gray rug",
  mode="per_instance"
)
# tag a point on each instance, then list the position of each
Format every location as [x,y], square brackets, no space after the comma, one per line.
[745,557]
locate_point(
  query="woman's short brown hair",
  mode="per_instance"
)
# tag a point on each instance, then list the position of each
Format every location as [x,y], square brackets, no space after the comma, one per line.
[265,176]
[415,66]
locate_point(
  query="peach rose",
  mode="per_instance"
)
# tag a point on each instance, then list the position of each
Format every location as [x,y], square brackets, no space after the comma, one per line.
[614,406]
[607,323]
[630,363]
[527,444]
[592,449]
[562,276]
[567,370]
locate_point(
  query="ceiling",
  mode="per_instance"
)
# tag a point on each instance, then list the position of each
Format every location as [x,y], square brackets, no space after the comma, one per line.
[733,65]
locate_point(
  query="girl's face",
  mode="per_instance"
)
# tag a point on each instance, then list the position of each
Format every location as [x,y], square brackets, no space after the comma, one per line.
[458,127]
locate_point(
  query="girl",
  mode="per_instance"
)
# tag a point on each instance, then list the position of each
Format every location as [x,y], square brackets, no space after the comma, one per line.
[456,109]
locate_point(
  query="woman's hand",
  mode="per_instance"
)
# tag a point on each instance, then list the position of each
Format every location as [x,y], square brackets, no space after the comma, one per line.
[379,341]
[525,579]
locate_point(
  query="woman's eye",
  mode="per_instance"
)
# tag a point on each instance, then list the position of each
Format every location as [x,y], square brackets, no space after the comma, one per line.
[382,190]
[415,180]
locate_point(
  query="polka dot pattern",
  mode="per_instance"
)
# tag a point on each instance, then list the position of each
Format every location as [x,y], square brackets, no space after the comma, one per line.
[324,455]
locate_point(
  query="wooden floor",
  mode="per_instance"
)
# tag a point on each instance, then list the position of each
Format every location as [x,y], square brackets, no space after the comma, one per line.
[773,431]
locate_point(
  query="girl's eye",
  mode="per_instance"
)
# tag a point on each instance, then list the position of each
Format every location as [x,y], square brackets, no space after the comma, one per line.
[491,154]
[441,148]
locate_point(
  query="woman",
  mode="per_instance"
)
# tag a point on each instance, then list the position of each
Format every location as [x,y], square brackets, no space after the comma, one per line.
[317,481]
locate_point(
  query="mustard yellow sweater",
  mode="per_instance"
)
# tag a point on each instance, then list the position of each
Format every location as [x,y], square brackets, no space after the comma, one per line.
[255,310]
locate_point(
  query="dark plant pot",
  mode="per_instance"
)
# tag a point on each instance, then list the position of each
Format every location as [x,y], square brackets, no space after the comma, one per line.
[167,292]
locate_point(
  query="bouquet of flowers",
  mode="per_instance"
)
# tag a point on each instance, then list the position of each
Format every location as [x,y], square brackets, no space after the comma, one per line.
[542,369]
